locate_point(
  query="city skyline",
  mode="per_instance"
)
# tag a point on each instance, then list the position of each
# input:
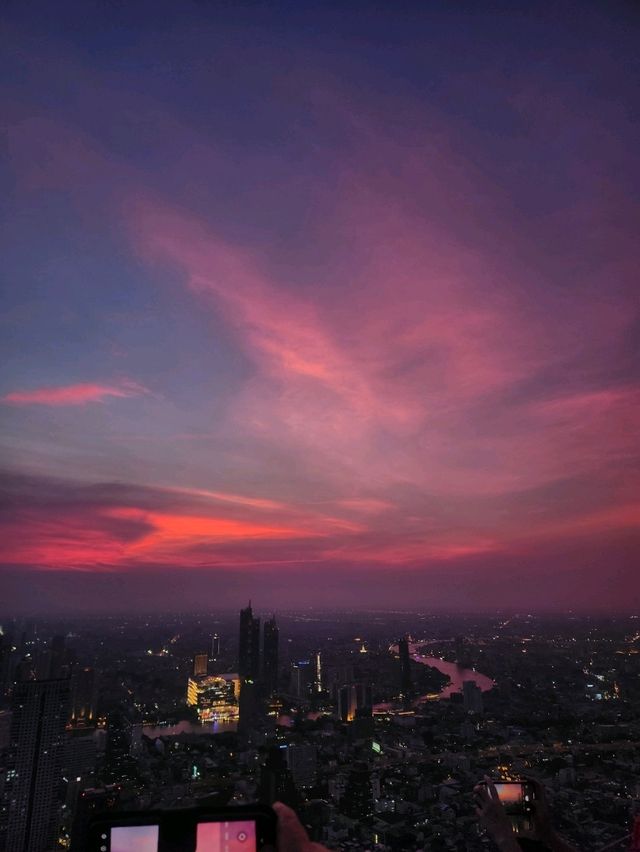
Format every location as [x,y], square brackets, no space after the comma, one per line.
[320,308]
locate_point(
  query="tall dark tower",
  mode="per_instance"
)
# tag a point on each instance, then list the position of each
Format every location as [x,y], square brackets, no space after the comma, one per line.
[30,808]
[406,684]
[215,646]
[270,656]
[249,645]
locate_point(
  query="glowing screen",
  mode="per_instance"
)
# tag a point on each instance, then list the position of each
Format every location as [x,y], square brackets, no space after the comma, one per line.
[134,838]
[235,836]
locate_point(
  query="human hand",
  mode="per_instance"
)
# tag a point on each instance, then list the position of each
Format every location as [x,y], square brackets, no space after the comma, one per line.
[493,816]
[292,836]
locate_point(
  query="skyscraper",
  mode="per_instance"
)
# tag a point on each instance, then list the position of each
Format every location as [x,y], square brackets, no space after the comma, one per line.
[249,645]
[30,811]
[316,661]
[301,679]
[406,683]
[270,656]
[215,646]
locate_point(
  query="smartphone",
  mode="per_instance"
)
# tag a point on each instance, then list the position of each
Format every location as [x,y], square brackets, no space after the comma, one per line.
[238,829]
[516,796]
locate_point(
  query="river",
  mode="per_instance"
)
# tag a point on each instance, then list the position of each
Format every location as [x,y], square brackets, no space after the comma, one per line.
[456,674]
[185,727]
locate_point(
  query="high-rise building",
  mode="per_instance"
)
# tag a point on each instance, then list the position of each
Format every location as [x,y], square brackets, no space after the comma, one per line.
[249,645]
[302,761]
[301,678]
[347,702]
[472,696]
[200,664]
[124,740]
[316,662]
[406,683]
[276,782]
[215,646]
[215,697]
[84,695]
[270,656]
[31,806]
[248,707]
[358,796]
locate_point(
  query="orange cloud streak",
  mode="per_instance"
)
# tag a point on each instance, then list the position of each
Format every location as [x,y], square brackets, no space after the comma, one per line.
[79,394]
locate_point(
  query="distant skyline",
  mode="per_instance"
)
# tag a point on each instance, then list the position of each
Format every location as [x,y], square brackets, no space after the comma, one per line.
[320,306]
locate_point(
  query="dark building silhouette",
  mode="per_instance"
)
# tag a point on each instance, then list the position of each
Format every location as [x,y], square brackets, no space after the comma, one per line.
[302,761]
[300,679]
[248,707]
[90,802]
[276,781]
[270,656]
[31,805]
[472,697]
[357,802]
[124,734]
[406,683]
[215,646]
[249,645]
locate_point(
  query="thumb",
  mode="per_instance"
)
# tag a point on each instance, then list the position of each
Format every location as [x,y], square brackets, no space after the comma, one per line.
[291,834]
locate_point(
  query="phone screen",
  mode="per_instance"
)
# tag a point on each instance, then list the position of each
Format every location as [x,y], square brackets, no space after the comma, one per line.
[233,836]
[515,796]
[134,838]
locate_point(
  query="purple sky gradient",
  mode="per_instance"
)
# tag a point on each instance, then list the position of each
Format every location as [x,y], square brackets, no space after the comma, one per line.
[323,307]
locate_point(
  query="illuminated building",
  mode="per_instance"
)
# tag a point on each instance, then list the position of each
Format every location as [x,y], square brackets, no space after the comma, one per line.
[270,656]
[316,662]
[31,807]
[249,645]
[200,665]
[215,697]
[347,702]
[354,699]
[83,702]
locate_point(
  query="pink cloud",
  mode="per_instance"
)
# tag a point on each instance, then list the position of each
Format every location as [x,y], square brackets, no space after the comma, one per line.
[78,394]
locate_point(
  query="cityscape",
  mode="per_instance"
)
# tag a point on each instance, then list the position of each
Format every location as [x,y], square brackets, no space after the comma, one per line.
[319,426]
[373,726]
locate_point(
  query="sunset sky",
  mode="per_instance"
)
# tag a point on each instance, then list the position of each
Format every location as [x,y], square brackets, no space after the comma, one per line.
[324,303]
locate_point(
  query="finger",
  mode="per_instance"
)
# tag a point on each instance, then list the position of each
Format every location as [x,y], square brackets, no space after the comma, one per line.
[482,793]
[491,787]
[291,834]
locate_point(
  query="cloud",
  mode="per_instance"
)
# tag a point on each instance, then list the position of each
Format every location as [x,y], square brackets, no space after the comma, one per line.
[78,394]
